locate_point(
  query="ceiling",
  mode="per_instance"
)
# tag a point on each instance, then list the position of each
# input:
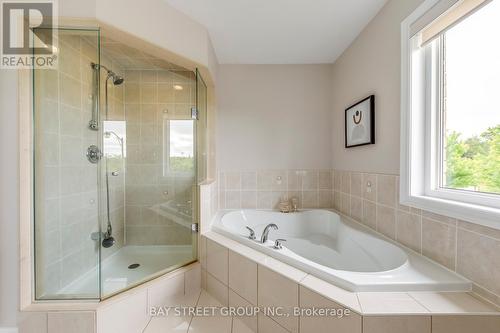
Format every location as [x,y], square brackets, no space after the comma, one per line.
[280,31]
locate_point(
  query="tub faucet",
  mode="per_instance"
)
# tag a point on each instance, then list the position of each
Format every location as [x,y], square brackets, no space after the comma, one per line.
[265,233]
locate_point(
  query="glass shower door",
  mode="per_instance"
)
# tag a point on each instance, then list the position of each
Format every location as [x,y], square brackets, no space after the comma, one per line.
[158,172]
[65,182]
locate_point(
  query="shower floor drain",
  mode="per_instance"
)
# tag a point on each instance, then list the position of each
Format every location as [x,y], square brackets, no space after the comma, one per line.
[133,266]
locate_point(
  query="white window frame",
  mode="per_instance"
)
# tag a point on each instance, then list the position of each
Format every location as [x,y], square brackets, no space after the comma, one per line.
[420,162]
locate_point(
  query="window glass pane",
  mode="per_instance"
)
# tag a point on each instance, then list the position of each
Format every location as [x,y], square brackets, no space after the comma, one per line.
[471,103]
[181,149]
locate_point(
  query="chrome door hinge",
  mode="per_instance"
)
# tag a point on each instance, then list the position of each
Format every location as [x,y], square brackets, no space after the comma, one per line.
[194,113]
[194,227]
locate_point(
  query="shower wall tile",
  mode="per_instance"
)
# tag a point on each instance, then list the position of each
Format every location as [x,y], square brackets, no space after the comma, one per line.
[469,249]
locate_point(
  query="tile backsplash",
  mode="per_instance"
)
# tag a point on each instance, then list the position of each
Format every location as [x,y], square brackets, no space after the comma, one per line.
[468,249]
[263,189]
[373,200]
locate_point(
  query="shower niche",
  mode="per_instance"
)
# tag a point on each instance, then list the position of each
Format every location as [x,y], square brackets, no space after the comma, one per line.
[119,147]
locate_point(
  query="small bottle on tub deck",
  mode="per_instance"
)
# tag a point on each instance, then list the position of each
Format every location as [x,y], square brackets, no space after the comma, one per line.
[284,205]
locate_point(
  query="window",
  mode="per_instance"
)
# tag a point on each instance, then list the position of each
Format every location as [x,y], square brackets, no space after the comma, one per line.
[450,152]
[179,137]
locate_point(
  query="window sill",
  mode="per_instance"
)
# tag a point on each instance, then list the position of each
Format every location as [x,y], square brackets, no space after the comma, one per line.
[482,215]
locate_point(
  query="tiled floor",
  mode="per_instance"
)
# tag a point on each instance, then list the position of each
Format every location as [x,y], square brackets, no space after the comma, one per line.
[209,324]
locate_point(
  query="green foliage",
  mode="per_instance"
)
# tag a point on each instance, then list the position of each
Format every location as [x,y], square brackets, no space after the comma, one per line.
[179,163]
[474,163]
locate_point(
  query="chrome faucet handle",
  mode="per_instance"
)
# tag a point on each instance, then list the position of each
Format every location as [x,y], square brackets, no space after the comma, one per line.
[252,233]
[277,243]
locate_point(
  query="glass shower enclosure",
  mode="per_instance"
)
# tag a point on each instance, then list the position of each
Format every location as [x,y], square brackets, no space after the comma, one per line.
[119,148]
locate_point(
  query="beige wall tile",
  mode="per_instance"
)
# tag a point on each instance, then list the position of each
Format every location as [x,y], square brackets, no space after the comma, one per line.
[369,214]
[243,277]
[484,294]
[331,292]
[439,218]
[217,261]
[309,324]
[166,292]
[192,281]
[369,187]
[325,199]
[272,180]
[357,208]
[217,290]
[310,180]
[276,290]
[409,227]
[386,221]
[478,259]
[337,200]
[249,180]
[325,180]
[248,199]
[465,324]
[310,199]
[386,190]
[127,315]
[149,76]
[337,180]
[397,324]
[345,203]
[132,93]
[70,92]
[490,232]
[148,93]
[438,242]
[345,183]
[77,322]
[294,180]
[233,181]
[265,199]
[32,322]
[356,184]
[233,199]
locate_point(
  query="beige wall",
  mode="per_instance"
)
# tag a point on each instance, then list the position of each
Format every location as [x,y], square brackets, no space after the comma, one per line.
[9,206]
[371,65]
[274,117]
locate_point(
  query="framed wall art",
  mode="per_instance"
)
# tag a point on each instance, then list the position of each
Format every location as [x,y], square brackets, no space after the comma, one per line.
[360,123]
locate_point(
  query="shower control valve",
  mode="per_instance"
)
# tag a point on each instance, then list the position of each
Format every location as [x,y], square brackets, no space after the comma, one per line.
[93,154]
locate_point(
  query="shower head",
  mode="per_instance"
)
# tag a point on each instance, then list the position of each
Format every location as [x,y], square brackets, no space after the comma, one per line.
[117,79]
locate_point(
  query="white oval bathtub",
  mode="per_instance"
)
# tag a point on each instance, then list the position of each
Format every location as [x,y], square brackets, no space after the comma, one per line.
[345,253]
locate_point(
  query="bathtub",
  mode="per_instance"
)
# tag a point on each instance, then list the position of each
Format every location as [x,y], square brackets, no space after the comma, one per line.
[340,251]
